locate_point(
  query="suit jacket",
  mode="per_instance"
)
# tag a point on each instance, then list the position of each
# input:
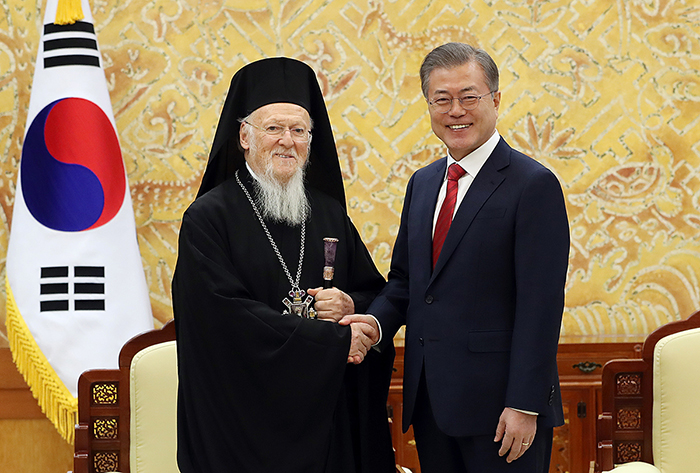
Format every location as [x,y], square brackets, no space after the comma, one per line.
[485,322]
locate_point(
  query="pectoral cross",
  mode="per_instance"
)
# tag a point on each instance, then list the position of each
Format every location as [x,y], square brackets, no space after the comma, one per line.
[298,307]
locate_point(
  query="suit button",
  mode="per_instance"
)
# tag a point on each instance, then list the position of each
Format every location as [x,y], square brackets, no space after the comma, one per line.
[429,299]
[420,340]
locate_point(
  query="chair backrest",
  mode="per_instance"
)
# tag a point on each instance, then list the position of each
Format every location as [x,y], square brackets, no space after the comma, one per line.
[153,396]
[626,427]
[127,417]
[676,412]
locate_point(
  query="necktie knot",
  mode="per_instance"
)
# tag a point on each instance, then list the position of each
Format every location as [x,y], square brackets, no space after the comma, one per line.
[455,172]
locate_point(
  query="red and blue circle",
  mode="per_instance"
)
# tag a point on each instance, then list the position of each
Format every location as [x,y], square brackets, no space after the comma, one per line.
[72,170]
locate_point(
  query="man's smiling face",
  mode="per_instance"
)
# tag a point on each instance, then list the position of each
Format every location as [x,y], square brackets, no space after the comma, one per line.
[281,153]
[462,130]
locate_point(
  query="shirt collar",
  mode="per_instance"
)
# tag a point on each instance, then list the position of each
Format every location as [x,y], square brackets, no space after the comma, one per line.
[473,162]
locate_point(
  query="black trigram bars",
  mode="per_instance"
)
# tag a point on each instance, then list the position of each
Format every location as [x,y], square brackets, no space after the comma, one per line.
[55,285]
[70,45]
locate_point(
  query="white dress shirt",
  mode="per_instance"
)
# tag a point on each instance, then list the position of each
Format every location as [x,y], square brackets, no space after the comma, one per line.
[472,164]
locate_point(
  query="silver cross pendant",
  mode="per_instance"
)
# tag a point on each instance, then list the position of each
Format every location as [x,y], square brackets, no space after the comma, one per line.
[297,306]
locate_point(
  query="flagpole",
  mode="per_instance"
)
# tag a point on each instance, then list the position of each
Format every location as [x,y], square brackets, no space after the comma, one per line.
[69,11]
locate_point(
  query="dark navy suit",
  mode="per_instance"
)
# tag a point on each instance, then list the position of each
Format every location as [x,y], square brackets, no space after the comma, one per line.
[485,322]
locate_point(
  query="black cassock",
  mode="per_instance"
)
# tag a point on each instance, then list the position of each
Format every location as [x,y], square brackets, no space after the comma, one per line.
[260,391]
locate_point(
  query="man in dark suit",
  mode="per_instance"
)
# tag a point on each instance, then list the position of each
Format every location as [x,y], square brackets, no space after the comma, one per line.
[483,308]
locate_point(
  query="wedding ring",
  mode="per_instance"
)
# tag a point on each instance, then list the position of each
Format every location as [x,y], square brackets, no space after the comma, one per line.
[526,444]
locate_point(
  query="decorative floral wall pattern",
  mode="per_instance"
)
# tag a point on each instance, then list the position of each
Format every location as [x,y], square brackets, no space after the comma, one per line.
[604,93]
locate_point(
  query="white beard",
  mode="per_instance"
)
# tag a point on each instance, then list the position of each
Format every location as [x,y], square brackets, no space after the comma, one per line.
[282,203]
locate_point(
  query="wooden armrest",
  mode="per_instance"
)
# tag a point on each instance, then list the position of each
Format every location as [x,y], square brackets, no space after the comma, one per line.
[98,418]
[623,429]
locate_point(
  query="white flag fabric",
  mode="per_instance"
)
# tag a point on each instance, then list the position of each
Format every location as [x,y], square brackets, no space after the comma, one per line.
[76,288]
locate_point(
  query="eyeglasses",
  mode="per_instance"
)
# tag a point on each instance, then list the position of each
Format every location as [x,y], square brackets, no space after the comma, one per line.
[468,102]
[299,134]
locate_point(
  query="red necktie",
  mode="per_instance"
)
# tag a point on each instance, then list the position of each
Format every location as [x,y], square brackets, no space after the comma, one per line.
[447,210]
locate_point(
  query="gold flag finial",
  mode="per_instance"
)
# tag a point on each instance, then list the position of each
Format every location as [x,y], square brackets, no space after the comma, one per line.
[68,12]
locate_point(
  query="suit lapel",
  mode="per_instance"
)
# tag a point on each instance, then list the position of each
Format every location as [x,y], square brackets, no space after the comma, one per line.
[425,199]
[485,183]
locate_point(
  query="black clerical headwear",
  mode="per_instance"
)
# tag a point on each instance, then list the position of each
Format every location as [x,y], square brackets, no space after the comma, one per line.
[263,82]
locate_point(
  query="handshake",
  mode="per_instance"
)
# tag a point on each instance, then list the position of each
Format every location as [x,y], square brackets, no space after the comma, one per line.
[365,333]
[336,306]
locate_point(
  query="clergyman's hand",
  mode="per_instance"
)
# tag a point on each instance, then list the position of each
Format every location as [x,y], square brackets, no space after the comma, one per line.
[517,431]
[359,345]
[331,304]
[365,333]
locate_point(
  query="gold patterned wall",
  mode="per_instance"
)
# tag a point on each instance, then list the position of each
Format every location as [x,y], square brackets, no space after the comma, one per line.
[604,93]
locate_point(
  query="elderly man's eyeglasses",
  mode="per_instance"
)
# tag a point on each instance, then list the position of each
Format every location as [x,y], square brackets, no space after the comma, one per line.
[298,133]
[468,102]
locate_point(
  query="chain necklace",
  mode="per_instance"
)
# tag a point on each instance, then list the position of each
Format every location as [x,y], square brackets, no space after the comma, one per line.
[295,305]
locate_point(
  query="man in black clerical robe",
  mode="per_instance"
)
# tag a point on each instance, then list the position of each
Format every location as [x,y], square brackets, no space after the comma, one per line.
[259,390]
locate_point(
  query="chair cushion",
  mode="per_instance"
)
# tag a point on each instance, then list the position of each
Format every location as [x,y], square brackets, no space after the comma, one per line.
[676,412]
[634,467]
[153,392]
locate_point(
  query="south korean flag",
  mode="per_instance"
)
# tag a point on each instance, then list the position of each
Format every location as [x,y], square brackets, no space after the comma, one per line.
[75,282]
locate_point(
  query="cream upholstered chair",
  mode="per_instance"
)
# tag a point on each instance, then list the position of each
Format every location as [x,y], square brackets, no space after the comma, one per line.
[153,396]
[674,374]
[127,417]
